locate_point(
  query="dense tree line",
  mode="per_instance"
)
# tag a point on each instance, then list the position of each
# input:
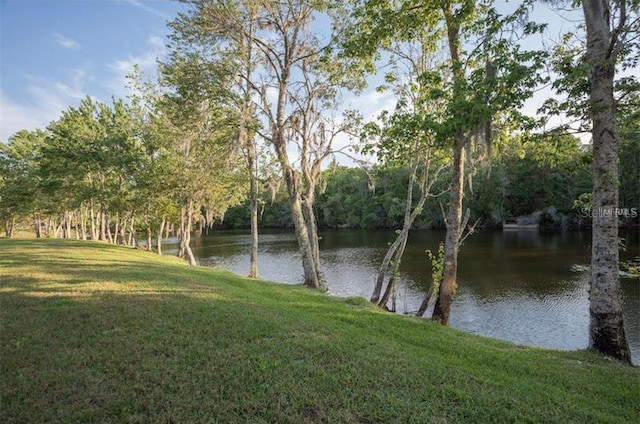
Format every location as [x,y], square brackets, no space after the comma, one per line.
[525,176]
[117,173]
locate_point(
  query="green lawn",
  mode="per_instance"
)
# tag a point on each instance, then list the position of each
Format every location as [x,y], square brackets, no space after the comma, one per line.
[96,333]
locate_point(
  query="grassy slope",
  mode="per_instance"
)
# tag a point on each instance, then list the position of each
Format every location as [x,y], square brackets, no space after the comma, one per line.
[96,333]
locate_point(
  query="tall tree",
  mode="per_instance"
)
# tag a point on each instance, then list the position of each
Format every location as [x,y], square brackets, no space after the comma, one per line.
[606,26]
[486,74]
[408,137]
[291,84]
[20,180]
[593,94]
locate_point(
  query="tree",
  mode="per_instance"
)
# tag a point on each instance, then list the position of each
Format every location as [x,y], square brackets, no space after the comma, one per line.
[292,82]
[586,75]
[407,137]
[20,183]
[203,130]
[605,41]
[485,75]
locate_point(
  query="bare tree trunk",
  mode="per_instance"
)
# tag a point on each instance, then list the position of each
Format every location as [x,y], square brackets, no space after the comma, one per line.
[116,231]
[50,226]
[133,242]
[606,327]
[185,234]
[38,225]
[83,222]
[92,217]
[397,248]
[400,239]
[58,228]
[181,248]
[107,228]
[442,309]
[253,268]
[425,303]
[311,277]
[9,225]
[160,231]
[67,225]
[75,227]
[148,247]
[396,266]
[102,236]
[312,229]
[375,297]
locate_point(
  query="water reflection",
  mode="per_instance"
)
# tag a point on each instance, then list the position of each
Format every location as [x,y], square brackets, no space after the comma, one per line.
[516,286]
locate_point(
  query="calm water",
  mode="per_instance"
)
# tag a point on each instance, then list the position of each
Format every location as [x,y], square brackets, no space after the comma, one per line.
[516,286]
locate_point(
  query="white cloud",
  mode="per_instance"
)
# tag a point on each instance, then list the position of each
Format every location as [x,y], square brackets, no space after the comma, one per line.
[372,103]
[156,42]
[118,84]
[44,103]
[147,8]
[67,43]
[147,61]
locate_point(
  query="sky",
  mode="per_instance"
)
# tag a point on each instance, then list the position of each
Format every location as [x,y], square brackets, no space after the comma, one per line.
[53,53]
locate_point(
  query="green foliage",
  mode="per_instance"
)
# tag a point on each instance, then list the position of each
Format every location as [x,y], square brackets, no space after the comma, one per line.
[20,176]
[524,176]
[437,267]
[629,152]
[545,171]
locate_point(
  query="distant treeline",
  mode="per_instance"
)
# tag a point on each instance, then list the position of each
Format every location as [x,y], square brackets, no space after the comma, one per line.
[549,175]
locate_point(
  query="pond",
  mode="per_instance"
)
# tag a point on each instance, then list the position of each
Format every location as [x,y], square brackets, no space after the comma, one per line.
[521,286]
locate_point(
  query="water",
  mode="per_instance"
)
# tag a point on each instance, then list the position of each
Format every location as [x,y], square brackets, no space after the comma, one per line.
[516,286]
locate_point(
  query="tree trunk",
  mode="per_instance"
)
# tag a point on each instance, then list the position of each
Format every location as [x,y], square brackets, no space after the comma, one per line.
[38,225]
[311,277]
[400,239]
[133,242]
[9,225]
[606,328]
[75,227]
[67,225]
[148,248]
[83,222]
[92,217]
[58,229]
[102,236]
[404,236]
[253,268]
[185,234]
[312,230]
[160,231]
[425,303]
[375,297]
[107,227]
[396,250]
[116,231]
[449,284]
[50,227]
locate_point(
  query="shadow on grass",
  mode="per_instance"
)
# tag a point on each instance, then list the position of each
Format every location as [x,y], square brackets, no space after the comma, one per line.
[151,340]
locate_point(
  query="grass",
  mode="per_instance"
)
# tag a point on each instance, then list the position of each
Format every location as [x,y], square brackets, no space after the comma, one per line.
[93,333]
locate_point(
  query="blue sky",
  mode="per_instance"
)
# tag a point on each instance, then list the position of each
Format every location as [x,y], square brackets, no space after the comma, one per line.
[55,52]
